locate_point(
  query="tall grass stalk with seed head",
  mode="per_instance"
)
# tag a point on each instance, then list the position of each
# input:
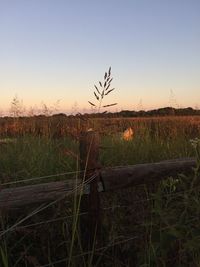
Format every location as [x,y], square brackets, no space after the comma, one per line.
[101,91]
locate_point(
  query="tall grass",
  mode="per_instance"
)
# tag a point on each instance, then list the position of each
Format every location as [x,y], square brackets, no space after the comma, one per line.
[154,226]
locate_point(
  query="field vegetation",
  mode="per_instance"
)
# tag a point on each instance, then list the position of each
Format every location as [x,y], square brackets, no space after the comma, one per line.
[142,226]
[145,226]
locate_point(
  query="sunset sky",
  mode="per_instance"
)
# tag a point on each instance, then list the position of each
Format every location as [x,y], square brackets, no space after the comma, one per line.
[58,49]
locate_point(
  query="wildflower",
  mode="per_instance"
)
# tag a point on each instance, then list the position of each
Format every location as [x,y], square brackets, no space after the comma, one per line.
[128,134]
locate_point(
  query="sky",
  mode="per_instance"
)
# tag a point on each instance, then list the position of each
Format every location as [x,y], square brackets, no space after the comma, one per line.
[56,50]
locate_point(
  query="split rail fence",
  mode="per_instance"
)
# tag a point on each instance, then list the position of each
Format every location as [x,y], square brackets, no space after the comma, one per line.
[92,182]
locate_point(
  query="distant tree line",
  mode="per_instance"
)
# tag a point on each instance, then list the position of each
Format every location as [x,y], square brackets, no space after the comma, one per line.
[166,111]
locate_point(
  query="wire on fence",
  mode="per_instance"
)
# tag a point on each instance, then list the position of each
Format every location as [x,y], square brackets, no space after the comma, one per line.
[59,174]
[50,176]
[43,207]
[41,177]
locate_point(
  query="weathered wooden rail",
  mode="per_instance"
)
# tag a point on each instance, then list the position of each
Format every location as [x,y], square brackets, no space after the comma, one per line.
[103,180]
[113,179]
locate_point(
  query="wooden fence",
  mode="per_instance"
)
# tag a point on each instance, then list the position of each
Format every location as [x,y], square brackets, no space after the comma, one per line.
[93,181]
[113,179]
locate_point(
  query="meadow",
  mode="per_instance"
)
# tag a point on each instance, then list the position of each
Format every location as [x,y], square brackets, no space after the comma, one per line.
[143,226]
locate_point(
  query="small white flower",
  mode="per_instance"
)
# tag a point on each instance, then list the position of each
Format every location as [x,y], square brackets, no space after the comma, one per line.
[195,142]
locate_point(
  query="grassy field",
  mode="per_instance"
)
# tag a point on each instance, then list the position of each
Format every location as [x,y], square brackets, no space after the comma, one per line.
[156,226]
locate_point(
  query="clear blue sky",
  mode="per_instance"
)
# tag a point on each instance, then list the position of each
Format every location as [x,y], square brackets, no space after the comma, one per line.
[57,49]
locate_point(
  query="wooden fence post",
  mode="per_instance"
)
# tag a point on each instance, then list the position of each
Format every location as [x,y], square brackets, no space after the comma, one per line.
[90,224]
